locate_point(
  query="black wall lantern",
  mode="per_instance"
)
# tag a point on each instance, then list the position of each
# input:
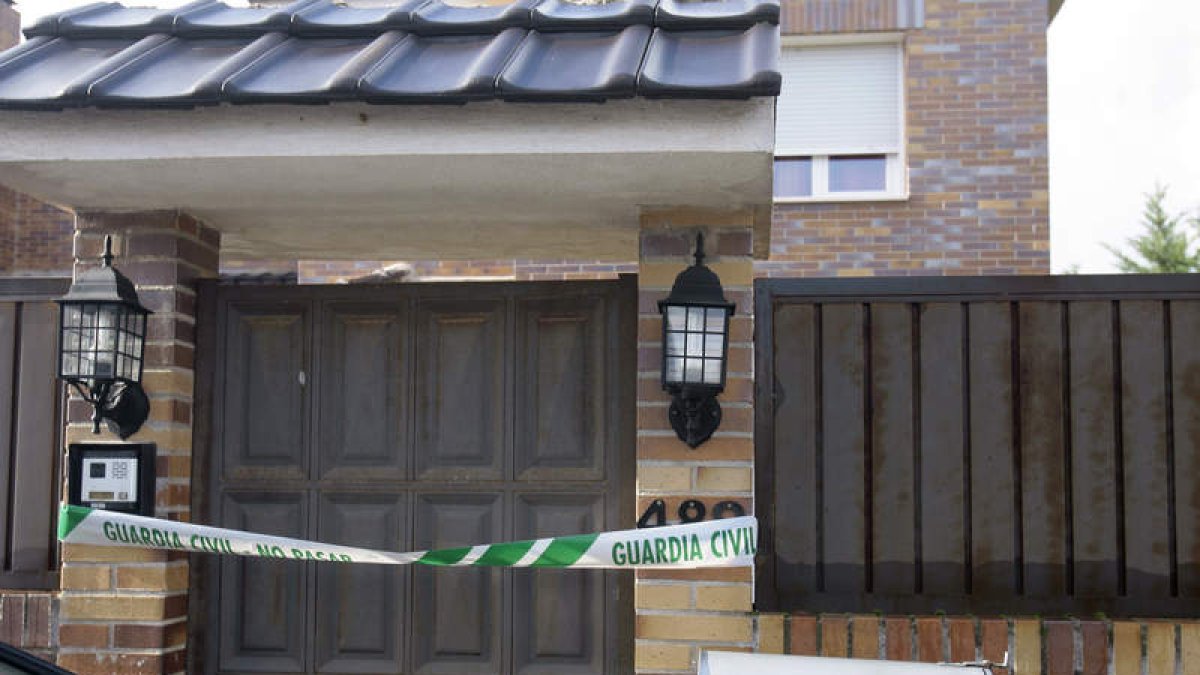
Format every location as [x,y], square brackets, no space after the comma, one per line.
[695,318]
[101,345]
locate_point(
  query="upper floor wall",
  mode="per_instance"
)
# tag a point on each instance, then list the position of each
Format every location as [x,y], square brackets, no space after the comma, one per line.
[805,17]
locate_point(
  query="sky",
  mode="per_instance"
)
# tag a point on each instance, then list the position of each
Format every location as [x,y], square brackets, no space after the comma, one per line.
[1124,82]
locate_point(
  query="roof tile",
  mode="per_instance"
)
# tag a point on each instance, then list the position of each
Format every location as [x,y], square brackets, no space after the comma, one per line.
[417,51]
[587,66]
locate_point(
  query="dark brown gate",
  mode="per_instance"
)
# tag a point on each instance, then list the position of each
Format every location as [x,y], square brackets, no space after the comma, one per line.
[409,417]
[1014,445]
[31,422]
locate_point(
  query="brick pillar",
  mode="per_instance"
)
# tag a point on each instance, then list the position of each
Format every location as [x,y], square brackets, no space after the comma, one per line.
[679,612]
[10,25]
[125,610]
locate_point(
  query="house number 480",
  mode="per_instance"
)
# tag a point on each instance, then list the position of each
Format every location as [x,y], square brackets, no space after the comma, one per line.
[690,511]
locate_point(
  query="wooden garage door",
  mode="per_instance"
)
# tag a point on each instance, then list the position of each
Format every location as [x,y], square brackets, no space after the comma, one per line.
[411,417]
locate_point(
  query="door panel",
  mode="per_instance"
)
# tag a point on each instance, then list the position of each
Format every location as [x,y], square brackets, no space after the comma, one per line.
[265,406]
[360,608]
[553,609]
[560,383]
[263,608]
[460,390]
[363,397]
[457,609]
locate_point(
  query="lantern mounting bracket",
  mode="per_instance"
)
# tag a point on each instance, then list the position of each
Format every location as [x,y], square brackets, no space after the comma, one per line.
[123,406]
[694,418]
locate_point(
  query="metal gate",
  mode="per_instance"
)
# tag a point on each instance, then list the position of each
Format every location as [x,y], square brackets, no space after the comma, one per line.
[979,445]
[410,417]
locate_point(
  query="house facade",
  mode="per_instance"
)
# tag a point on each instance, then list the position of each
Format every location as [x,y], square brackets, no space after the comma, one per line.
[908,139]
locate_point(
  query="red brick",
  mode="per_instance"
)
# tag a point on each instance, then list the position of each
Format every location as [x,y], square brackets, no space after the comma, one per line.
[1060,648]
[83,635]
[106,663]
[929,640]
[994,634]
[899,639]
[12,618]
[835,636]
[1095,647]
[37,621]
[802,635]
[962,640]
[140,636]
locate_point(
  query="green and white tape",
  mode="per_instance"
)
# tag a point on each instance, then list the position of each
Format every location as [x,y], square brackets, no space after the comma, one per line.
[729,542]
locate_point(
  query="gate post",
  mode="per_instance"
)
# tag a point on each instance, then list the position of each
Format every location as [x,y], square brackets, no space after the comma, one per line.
[123,609]
[679,612]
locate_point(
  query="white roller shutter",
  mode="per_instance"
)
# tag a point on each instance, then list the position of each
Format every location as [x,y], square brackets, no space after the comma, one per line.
[839,99]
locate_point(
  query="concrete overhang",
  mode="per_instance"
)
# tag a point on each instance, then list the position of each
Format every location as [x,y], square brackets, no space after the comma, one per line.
[351,180]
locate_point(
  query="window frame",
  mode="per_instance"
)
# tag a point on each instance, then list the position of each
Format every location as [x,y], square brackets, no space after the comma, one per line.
[896,170]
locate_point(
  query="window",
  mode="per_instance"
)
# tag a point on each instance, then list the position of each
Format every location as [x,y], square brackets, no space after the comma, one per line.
[839,123]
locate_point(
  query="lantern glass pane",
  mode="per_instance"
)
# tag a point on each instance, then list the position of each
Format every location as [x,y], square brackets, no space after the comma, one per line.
[716,320]
[712,371]
[675,317]
[695,344]
[87,323]
[675,344]
[108,322]
[713,345]
[71,340]
[695,318]
[674,371]
[72,316]
[693,371]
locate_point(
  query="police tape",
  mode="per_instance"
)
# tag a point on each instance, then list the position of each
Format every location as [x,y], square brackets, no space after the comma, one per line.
[728,542]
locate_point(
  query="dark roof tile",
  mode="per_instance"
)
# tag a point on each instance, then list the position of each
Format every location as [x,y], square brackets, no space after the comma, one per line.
[692,14]
[56,71]
[308,70]
[328,19]
[439,18]
[113,20]
[220,20]
[447,69]
[562,15]
[575,66]
[712,64]
[182,72]
[312,51]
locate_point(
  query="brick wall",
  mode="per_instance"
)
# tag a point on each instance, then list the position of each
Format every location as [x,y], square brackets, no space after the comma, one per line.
[123,609]
[333,272]
[977,158]
[1035,646]
[849,16]
[35,238]
[10,25]
[678,612]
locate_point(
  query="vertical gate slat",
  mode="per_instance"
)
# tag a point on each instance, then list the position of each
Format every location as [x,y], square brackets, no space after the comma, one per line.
[1042,440]
[1094,453]
[1143,406]
[796,478]
[8,337]
[34,442]
[894,544]
[843,454]
[943,494]
[993,488]
[1185,326]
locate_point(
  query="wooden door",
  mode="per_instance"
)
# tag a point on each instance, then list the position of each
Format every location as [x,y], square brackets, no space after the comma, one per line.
[411,417]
